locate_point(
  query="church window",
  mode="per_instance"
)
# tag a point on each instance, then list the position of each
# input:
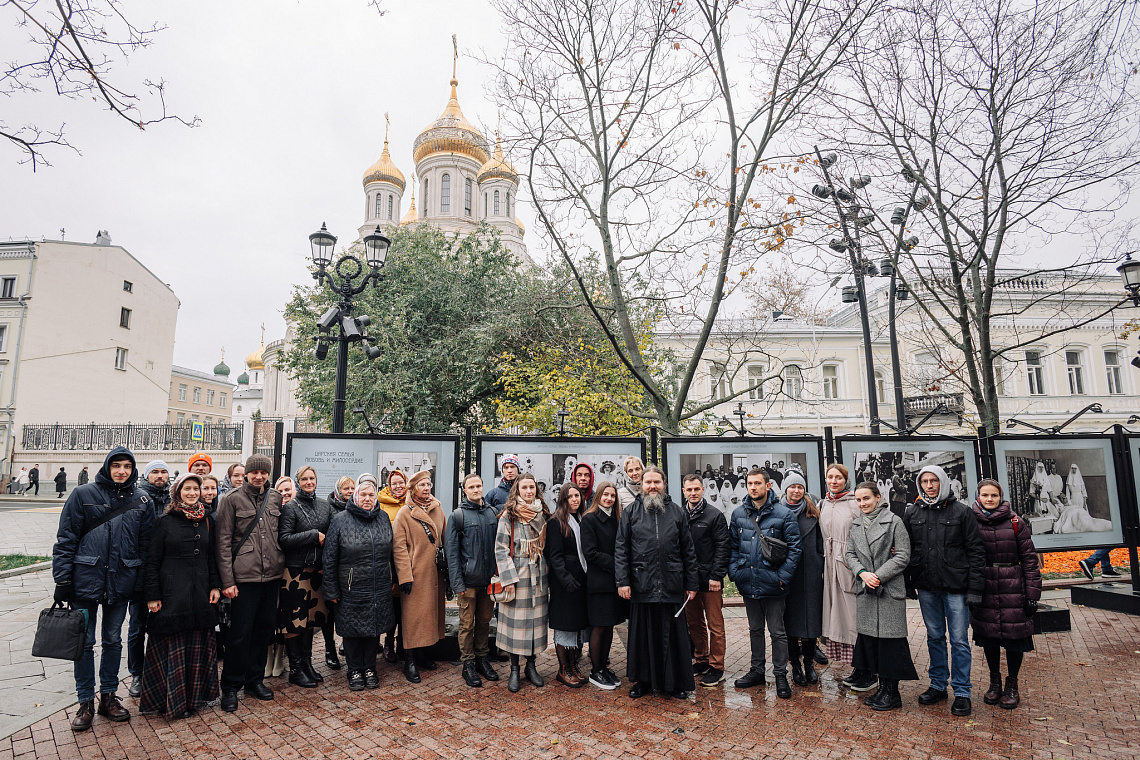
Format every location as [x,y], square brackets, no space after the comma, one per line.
[496,203]
[378,200]
[426,197]
[467,197]
[508,204]
[389,207]
[484,205]
[445,194]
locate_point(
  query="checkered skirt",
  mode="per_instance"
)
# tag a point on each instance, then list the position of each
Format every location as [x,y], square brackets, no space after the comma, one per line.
[180,673]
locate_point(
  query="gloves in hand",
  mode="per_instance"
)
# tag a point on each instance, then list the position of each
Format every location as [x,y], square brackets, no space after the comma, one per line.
[406,587]
[973,600]
[1030,607]
[64,592]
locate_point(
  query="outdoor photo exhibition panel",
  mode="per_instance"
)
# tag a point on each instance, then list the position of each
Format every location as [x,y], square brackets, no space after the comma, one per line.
[552,459]
[336,455]
[1064,486]
[894,463]
[723,464]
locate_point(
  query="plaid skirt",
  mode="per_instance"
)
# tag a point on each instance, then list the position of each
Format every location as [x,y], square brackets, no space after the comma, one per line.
[180,673]
[839,652]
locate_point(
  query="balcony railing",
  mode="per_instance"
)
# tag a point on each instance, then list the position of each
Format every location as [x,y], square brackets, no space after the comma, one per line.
[915,405]
[133,437]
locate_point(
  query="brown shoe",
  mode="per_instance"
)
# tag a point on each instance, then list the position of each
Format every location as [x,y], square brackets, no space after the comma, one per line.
[83,716]
[575,662]
[993,696]
[111,707]
[1010,698]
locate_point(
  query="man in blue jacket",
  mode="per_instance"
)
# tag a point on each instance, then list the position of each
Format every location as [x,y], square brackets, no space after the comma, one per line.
[96,562]
[497,497]
[764,583]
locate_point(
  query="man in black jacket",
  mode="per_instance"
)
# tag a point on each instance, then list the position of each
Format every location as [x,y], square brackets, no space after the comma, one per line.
[947,565]
[469,543]
[655,565]
[156,485]
[498,495]
[99,550]
[713,545]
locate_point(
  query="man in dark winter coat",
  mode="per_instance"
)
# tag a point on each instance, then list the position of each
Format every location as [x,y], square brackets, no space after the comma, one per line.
[34,478]
[469,543]
[704,614]
[655,565]
[250,563]
[947,566]
[764,584]
[84,477]
[99,550]
[60,483]
[498,495]
[156,485]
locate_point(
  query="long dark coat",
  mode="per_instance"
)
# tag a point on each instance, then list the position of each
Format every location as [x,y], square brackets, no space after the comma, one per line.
[567,580]
[298,531]
[1001,615]
[654,554]
[357,561]
[180,569]
[803,610]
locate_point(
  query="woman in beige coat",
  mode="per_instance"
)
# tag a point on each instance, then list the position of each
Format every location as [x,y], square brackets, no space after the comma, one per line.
[418,533]
[837,511]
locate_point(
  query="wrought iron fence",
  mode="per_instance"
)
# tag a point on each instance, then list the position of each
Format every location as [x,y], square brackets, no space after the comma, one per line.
[134,437]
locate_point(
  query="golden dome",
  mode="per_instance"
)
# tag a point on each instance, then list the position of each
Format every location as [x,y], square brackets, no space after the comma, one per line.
[384,170]
[411,217]
[254,360]
[522,227]
[451,133]
[498,167]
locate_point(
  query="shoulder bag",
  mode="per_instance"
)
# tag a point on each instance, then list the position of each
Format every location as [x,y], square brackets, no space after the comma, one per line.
[774,550]
[252,525]
[495,589]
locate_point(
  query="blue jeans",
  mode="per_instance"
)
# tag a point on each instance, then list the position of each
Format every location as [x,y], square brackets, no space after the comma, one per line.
[1100,557]
[136,638]
[945,613]
[113,617]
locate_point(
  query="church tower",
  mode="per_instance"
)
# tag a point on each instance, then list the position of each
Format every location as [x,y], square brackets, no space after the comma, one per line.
[384,186]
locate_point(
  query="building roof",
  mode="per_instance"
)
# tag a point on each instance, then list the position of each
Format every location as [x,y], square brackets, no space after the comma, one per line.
[194,374]
[20,248]
[498,167]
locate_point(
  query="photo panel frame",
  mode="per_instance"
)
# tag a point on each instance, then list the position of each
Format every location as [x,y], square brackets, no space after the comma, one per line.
[723,464]
[336,455]
[1064,486]
[551,459]
[893,462]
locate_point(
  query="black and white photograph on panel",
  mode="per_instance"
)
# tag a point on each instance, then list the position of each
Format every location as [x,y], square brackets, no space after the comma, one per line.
[893,464]
[1064,487]
[724,464]
[335,455]
[552,461]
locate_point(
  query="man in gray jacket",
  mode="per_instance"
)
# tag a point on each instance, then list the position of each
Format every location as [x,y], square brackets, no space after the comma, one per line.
[250,562]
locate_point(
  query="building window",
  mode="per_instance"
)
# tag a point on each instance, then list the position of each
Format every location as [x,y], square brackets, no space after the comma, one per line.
[8,287]
[379,200]
[756,381]
[389,207]
[831,381]
[1035,371]
[1112,362]
[794,381]
[880,386]
[484,205]
[181,392]
[508,204]
[720,387]
[467,197]
[209,397]
[3,338]
[197,395]
[222,400]
[128,285]
[496,203]
[120,358]
[181,419]
[125,317]
[208,420]
[193,418]
[426,197]
[1076,373]
[445,194]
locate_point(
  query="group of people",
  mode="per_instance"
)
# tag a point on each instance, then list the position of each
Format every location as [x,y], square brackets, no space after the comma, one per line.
[211,570]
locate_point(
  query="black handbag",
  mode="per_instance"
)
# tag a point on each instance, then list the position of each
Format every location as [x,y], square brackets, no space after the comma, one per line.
[61,633]
[440,564]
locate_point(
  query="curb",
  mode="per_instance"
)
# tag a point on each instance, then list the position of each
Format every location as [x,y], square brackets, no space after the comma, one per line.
[26,569]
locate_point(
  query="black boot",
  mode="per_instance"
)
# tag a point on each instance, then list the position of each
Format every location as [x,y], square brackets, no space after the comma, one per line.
[532,673]
[423,660]
[330,647]
[798,677]
[891,699]
[875,698]
[807,648]
[411,672]
[389,649]
[486,669]
[993,695]
[297,674]
[470,676]
[307,657]
[513,683]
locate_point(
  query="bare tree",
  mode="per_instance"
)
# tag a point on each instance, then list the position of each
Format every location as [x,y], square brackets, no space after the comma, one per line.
[653,132]
[1022,117]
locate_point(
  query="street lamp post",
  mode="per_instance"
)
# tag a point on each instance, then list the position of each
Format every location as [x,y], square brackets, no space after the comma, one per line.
[350,329]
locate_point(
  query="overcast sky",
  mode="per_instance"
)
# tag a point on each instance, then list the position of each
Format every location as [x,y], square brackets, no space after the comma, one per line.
[292,96]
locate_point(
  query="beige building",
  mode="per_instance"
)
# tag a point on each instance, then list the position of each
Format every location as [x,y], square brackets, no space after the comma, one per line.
[86,336]
[200,397]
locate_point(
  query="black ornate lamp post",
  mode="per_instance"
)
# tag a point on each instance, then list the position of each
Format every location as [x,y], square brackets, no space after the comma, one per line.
[1130,273]
[349,269]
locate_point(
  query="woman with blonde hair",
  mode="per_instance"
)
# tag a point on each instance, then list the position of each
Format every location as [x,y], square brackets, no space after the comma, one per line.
[519,544]
[416,548]
[837,512]
[628,493]
[342,494]
[390,498]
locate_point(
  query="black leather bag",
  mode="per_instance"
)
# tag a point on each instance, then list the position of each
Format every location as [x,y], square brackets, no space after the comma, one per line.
[61,633]
[774,550]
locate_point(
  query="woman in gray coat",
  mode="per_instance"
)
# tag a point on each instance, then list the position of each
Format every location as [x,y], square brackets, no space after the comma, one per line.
[878,551]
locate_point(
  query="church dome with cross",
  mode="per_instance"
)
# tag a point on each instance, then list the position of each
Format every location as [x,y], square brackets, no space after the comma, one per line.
[459,181]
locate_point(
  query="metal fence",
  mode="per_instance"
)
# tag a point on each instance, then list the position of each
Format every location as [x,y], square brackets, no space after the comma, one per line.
[134,437]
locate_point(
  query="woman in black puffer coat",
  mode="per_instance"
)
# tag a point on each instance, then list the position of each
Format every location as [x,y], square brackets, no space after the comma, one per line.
[358,579]
[1004,619]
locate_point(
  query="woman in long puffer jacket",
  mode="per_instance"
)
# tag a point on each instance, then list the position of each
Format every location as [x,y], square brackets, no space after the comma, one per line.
[1004,620]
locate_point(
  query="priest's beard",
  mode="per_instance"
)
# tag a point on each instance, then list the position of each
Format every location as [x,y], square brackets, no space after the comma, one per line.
[654,502]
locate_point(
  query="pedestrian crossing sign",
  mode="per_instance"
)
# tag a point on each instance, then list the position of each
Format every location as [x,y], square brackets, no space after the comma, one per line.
[196,432]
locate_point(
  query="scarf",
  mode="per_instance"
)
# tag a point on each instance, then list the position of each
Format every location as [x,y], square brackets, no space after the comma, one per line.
[608,510]
[423,503]
[576,529]
[533,546]
[797,508]
[870,517]
[196,512]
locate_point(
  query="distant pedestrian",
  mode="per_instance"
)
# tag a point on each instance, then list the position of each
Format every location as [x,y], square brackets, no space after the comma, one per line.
[34,478]
[84,477]
[61,483]
[22,481]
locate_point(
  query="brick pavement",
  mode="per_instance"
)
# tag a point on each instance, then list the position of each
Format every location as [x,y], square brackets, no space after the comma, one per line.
[1079,699]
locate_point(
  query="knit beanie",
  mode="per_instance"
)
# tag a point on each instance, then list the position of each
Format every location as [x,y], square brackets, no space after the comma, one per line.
[200,457]
[509,459]
[793,478]
[258,462]
[154,464]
